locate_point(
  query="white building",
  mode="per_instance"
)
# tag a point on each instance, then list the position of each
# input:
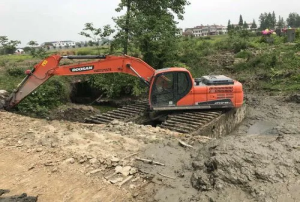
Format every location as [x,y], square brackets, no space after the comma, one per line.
[19,51]
[206,30]
[59,43]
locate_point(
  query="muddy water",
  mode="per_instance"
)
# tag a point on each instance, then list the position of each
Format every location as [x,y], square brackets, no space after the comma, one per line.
[262,128]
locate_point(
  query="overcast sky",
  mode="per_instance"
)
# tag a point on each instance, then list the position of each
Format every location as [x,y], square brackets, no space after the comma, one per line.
[54,20]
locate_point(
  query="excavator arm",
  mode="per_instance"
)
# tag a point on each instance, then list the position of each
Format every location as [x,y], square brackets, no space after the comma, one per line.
[106,64]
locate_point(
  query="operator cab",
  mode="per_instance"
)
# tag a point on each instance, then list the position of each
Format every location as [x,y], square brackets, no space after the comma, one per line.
[169,86]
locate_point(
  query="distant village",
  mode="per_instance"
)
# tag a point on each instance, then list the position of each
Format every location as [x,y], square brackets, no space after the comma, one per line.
[209,30]
[198,31]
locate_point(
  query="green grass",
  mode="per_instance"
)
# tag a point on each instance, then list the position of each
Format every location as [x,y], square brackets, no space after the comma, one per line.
[15,58]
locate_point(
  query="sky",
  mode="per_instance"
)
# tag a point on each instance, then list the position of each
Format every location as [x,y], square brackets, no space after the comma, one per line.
[56,20]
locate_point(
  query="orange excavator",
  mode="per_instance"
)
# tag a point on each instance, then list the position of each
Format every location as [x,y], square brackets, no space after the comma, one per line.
[169,89]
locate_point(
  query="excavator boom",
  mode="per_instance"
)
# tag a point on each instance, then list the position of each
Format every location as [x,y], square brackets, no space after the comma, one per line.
[106,64]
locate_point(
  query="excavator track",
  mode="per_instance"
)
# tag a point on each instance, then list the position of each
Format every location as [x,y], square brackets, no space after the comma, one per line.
[126,113]
[213,123]
[189,122]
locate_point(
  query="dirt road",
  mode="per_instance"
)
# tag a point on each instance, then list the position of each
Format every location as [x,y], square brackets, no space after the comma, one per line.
[69,161]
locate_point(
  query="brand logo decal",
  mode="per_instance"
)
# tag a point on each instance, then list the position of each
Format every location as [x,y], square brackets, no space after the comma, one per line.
[82,69]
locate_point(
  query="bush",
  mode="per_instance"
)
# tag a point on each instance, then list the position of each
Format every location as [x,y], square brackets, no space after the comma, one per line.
[238,44]
[116,85]
[244,54]
[49,95]
[16,71]
[85,52]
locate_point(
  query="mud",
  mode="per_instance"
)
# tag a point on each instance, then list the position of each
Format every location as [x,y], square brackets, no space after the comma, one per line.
[251,165]
[270,115]
[18,198]
[72,112]
[172,181]
[258,161]
[224,124]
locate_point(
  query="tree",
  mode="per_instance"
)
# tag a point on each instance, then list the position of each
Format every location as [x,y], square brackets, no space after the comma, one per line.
[96,34]
[37,52]
[273,21]
[241,22]
[78,44]
[229,26]
[150,26]
[253,26]
[266,21]
[280,23]
[245,25]
[32,43]
[8,46]
[293,20]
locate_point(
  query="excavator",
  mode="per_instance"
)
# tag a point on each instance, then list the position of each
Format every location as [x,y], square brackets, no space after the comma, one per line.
[172,91]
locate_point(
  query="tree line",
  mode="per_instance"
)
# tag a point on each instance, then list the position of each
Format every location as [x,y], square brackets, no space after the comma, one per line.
[268,21]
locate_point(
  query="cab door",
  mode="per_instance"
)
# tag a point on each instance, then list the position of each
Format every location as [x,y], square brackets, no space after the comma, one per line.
[169,87]
[163,90]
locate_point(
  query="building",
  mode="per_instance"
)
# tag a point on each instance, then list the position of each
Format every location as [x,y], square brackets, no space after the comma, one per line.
[205,30]
[179,31]
[19,51]
[59,43]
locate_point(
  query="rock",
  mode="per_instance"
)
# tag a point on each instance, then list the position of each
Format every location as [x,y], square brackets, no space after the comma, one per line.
[3,93]
[114,159]
[118,169]
[115,122]
[133,171]
[54,170]
[53,144]
[39,149]
[295,98]
[95,171]
[126,170]
[70,160]
[3,96]
[116,180]
[93,161]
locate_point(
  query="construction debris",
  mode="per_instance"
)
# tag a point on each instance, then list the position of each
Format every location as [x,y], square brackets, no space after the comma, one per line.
[184,144]
[126,180]
[150,161]
[166,176]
